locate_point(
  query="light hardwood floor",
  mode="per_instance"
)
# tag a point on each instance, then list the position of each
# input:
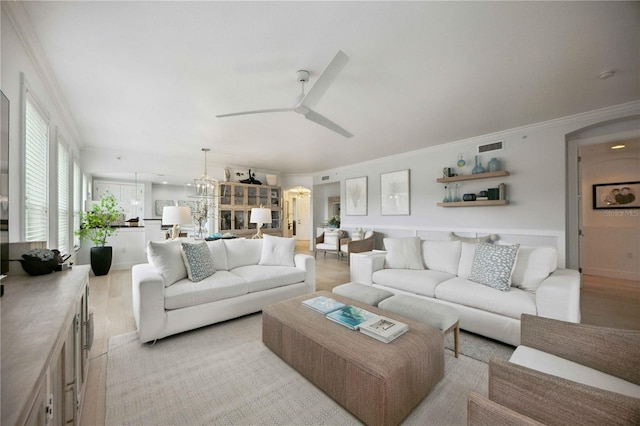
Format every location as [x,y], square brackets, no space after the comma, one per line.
[604,301]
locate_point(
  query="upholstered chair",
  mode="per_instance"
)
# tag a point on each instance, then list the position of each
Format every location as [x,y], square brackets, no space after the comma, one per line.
[564,374]
[329,241]
[359,242]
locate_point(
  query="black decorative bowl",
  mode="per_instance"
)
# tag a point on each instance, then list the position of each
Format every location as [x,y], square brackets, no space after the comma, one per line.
[39,267]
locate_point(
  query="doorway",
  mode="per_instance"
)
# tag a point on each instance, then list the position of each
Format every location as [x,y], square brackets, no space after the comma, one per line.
[298,213]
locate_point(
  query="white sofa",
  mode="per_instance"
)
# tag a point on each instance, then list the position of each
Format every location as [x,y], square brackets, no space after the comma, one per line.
[249,274]
[444,271]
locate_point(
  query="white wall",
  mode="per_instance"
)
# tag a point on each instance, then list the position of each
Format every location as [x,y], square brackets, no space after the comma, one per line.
[534,155]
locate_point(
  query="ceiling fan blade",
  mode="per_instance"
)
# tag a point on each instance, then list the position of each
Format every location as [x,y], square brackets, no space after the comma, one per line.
[325,80]
[323,121]
[258,111]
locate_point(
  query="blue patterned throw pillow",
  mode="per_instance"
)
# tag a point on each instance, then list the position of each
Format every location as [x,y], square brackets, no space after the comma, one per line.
[197,260]
[493,265]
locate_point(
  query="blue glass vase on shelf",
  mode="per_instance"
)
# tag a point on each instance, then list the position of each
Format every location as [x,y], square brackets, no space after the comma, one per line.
[478,168]
[494,165]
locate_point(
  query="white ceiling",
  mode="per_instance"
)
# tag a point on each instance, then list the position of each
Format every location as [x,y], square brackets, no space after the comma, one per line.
[140,76]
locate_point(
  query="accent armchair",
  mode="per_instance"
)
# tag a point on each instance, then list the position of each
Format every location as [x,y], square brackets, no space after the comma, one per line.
[351,245]
[563,374]
[329,241]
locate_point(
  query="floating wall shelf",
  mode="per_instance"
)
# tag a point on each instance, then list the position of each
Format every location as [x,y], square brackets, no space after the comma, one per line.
[486,175]
[475,203]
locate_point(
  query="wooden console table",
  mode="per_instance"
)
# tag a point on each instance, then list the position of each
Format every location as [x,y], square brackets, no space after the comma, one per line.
[45,347]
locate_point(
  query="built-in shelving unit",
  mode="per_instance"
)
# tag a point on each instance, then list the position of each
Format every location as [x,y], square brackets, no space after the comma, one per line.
[479,203]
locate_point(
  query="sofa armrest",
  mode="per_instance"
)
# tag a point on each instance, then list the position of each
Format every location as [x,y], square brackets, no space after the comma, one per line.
[558,296]
[484,412]
[308,264]
[610,350]
[554,400]
[147,288]
[363,265]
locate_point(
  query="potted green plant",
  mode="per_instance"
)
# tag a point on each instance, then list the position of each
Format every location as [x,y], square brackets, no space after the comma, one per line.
[334,222]
[96,225]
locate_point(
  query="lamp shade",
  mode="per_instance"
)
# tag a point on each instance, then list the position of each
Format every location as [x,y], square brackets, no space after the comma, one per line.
[260,215]
[176,215]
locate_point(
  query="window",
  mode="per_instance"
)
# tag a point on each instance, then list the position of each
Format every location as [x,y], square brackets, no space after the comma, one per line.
[63,197]
[77,202]
[36,170]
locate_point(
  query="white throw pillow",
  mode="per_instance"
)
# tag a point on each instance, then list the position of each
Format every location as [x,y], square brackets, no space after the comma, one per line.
[166,256]
[219,254]
[277,251]
[467,252]
[357,234]
[368,233]
[534,264]
[198,261]
[403,253]
[332,237]
[443,256]
[493,265]
[242,252]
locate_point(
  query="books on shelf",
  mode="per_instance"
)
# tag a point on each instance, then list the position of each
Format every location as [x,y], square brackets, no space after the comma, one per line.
[350,316]
[323,304]
[383,328]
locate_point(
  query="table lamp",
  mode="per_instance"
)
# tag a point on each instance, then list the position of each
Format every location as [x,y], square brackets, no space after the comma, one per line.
[176,216]
[260,215]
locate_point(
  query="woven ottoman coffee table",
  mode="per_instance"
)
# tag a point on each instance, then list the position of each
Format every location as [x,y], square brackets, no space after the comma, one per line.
[380,383]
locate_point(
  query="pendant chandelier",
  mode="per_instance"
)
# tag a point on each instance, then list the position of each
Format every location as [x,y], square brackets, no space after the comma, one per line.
[205,186]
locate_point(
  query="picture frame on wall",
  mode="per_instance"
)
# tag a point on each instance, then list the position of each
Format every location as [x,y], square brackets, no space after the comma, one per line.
[160,204]
[394,193]
[355,190]
[620,195]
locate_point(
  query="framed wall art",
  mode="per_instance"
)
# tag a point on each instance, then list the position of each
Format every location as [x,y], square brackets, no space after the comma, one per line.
[621,195]
[160,204]
[356,193]
[394,193]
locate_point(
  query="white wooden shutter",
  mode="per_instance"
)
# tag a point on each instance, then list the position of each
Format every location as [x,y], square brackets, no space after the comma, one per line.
[77,202]
[63,198]
[36,172]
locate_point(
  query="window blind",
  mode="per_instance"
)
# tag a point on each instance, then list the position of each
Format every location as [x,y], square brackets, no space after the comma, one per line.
[77,202]
[36,172]
[64,182]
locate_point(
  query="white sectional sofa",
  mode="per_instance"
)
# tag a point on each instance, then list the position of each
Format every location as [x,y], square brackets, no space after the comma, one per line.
[450,272]
[176,292]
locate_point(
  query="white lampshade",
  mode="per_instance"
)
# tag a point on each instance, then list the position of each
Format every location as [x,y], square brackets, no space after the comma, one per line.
[176,215]
[260,215]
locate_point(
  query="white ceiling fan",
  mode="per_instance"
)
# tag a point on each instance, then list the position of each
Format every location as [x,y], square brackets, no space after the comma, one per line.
[305,103]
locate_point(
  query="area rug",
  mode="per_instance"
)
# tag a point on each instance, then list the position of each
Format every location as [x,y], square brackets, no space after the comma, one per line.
[223,374]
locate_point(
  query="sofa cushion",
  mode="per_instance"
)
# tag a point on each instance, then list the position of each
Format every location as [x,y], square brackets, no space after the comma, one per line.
[467,251]
[219,254]
[265,277]
[242,252]
[403,253]
[493,265]
[221,285]
[533,265]
[443,256]
[357,234]
[277,251]
[198,261]
[166,256]
[511,303]
[560,367]
[423,282]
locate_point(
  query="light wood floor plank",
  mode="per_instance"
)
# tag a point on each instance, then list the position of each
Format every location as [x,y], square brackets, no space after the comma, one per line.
[604,301]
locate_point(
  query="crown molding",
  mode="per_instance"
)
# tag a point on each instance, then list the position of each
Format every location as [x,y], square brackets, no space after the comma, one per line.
[20,20]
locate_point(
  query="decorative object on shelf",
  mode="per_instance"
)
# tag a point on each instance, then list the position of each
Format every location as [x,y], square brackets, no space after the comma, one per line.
[272,180]
[461,163]
[502,191]
[176,216]
[41,261]
[493,194]
[447,194]
[478,168]
[96,225]
[251,179]
[621,195]
[356,191]
[394,193]
[456,198]
[334,222]
[260,216]
[447,172]
[227,175]
[494,165]
[469,197]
